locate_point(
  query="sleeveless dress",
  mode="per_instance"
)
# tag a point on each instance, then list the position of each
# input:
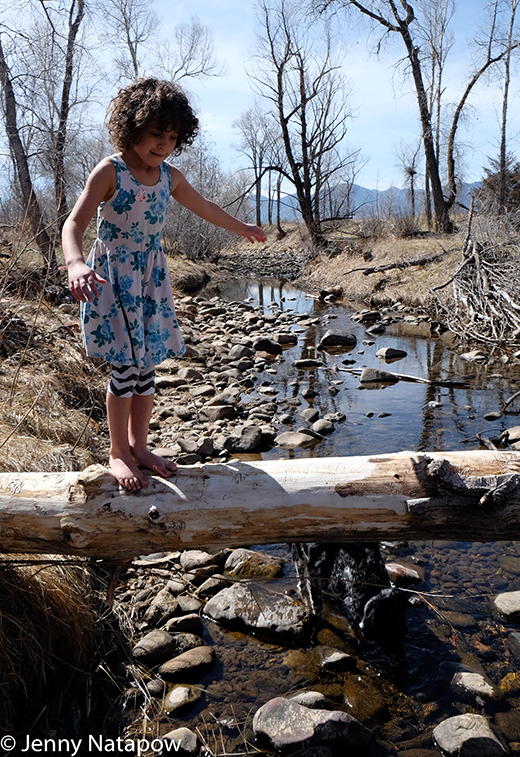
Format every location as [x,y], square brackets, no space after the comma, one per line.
[133,320]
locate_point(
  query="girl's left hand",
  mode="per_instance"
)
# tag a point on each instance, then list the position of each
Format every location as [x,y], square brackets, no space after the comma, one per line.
[253,233]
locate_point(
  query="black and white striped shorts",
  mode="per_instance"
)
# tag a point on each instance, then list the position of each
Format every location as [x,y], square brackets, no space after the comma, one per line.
[127,380]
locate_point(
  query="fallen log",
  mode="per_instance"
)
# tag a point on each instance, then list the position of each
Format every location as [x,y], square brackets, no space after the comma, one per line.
[407,495]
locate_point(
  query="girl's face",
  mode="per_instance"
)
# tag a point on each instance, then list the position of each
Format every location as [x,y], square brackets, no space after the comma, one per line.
[155,145]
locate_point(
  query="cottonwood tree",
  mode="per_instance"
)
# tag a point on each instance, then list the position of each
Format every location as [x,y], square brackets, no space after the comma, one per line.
[400,18]
[133,29]
[258,135]
[30,202]
[297,71]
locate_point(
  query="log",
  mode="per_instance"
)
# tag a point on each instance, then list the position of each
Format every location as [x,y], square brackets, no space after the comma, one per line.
[407,495]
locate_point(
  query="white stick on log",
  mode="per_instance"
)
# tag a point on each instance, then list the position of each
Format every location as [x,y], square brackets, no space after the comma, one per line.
[407,495]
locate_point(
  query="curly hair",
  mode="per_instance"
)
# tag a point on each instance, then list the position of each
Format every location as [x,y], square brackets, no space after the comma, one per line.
[144,100]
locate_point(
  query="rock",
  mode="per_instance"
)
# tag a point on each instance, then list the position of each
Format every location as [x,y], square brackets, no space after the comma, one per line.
[469,735]
[154,648]
[475,356]
[195,558]
[379,328]
[513,641]
[307,363]
[186,743]
[180,698]
[508,604]
[190,374]
[191,623]
[475,684]
[240,350]
[183,641]
[163,607]
[369,316]
[493,416]
[263,344]
[245,563]
[390,353]
[513,434]
[313,699]
[189,666]
[283,724]
[244,439]
[374,374]
[218,412]
[156,688]
[254,608]
[323,427]
[310,414]
[294,440]
[211,586]
[403,575]
[334,660]
[337,339]
[188,605]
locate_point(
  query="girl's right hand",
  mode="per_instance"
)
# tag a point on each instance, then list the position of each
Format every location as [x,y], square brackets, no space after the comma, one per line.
[83,282]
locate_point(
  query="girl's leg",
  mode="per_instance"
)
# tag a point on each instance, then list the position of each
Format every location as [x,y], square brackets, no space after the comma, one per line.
[122,463]
[138,427]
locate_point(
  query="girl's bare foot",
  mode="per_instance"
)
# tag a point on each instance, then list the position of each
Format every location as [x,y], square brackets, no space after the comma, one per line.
[126,472]
[161,466]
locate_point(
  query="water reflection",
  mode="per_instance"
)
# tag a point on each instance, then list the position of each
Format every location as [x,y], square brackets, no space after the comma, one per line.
[382,418]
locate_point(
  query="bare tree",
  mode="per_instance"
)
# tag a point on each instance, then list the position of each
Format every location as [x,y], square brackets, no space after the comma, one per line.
[258,134]
[407,157]
[30,201]
[297,73]
[130,25]
[512,6]
[192,53]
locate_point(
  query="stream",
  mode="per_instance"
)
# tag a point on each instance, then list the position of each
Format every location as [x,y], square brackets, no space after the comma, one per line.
[452,626]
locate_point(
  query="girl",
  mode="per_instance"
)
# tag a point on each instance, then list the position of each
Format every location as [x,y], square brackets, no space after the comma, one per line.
[127,310]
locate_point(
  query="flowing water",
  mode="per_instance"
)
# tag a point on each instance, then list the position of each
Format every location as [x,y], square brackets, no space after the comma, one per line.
[455,628]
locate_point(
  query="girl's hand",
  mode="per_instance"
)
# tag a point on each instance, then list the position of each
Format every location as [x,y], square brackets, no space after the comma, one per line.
[253,233]
[83,282]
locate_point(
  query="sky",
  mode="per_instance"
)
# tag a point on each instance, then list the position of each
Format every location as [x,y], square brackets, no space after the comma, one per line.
[384,101]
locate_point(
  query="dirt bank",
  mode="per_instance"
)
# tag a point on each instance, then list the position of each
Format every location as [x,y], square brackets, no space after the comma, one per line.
[345,262]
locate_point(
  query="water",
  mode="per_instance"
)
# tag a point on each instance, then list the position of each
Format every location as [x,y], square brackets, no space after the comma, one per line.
[452,626]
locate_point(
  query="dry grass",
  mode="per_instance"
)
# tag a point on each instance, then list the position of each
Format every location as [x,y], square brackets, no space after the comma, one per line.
[48,635]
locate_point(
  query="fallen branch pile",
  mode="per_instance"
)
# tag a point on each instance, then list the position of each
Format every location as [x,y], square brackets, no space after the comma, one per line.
[486,295]
[368,270]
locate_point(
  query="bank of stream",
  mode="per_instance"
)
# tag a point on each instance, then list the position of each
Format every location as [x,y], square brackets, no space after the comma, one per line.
[453,627]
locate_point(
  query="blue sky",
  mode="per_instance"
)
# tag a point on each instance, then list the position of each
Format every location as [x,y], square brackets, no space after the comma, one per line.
[385,104]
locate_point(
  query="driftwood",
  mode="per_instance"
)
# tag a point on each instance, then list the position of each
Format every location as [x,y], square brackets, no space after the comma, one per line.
[368,270]
[407,495]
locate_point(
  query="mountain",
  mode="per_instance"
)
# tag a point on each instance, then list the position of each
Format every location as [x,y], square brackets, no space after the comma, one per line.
[365,202]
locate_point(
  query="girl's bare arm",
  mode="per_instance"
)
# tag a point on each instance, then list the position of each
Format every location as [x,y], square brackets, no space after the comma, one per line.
[100,187]
[187,196]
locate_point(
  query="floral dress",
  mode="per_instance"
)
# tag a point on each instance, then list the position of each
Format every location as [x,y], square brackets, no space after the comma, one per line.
[133,320]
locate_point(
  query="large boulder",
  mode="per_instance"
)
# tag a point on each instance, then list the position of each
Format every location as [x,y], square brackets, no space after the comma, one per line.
[251,607]
[469,735]
[283,725]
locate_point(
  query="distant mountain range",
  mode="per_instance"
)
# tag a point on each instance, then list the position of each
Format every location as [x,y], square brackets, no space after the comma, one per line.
[365,202]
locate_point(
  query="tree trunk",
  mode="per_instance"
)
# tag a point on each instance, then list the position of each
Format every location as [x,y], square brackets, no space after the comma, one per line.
[61,137]
[407,495]
[30,202]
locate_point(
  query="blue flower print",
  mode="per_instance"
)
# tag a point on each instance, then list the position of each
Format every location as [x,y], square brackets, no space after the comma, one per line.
[149,307]
[164,308]
[123,201]
[135,233]
[157,206]
[120,254]
[124,284]
[139,258]
[158,275]
[103,334]
[137,331]
[107,232]
[128,302]
[119,358]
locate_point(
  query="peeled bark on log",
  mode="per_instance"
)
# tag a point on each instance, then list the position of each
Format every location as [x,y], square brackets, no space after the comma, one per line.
[407,495]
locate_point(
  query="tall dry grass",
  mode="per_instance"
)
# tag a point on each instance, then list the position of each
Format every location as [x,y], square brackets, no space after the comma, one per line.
[48,637]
